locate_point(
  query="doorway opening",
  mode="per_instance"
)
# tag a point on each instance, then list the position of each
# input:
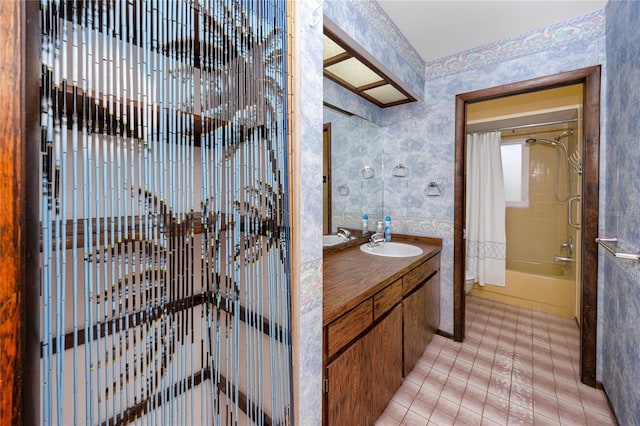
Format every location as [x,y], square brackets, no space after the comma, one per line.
[588,211]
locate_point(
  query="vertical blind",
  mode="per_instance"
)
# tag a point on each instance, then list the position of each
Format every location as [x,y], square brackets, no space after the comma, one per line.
[165,279]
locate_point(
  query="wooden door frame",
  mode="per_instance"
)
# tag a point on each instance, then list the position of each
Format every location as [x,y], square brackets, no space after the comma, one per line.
[590,78]
[19,236]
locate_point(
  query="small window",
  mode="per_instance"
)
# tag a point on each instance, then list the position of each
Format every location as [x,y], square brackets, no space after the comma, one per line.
[515,170]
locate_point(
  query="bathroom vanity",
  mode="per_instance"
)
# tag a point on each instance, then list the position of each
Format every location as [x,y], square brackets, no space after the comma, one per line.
[379,313]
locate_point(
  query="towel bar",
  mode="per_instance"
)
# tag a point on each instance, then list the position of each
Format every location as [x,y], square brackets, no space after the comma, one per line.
[603,242]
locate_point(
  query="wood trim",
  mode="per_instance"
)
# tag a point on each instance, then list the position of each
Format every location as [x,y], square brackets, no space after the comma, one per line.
[293,204]
[19,340]
[590,216]
[11,229]
[444,334]
[529,86]
[459,209]
[590,77]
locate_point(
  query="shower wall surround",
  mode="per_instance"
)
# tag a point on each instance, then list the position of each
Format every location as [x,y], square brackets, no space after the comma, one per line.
[621,278]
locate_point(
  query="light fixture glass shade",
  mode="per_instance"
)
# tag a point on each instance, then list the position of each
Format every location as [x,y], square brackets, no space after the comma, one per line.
[386,94]
[330,48]
[347,66]
[354,72]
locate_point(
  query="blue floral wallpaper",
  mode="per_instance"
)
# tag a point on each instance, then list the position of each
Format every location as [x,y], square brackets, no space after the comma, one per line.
[307,264]
[576,29]
[621,282]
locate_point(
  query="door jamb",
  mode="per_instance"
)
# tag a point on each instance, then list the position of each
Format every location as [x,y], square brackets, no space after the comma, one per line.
[590,78]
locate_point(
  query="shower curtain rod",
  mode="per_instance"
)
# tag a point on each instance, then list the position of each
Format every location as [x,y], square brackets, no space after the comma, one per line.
[525,126]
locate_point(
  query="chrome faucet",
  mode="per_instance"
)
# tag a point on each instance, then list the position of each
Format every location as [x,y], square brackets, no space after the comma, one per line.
[568,244]
[344,233]
[376,239]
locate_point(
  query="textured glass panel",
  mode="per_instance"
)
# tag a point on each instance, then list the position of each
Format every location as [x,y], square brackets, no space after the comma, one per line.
[354,72]
[386,94]
[330,48]
[165,238]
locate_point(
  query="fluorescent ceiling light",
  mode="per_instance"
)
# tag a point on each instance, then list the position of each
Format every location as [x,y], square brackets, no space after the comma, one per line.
[350,70]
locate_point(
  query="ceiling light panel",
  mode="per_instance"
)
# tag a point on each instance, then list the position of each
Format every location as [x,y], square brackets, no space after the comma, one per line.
[344,65]
[386,94]
[354,72]
[330,49]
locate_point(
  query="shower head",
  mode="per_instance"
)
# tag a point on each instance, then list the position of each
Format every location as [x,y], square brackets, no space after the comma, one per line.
[554,142]
[564,134]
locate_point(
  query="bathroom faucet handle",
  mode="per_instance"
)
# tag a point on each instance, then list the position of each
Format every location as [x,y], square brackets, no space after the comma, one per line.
[344,233]
[376,238]
[568,244]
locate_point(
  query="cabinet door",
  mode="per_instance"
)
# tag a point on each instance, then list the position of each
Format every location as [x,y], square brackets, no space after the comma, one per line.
[421,319]
[362,380]
[415,330]
[385,374]
[345,391]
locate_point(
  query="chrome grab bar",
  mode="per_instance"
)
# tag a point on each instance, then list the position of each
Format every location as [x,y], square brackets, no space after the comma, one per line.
[570,210]
[604,243]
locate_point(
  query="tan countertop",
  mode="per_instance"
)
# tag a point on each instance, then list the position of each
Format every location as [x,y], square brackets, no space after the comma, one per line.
[351,276]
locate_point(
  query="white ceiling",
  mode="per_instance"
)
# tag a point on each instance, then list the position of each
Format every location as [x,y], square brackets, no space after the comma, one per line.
[440,28]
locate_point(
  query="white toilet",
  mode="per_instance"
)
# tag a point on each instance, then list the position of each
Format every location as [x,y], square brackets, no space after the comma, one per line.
[469,281]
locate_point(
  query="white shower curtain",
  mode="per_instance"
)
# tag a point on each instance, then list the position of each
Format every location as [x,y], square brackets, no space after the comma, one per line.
[485,215]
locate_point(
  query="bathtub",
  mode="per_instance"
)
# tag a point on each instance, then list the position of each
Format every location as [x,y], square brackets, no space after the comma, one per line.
[538,286]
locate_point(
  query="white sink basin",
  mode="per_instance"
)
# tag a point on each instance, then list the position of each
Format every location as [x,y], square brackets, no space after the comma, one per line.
[332,240]
[392,249]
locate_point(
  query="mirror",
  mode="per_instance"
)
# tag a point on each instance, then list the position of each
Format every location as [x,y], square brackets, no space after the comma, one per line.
[356,149]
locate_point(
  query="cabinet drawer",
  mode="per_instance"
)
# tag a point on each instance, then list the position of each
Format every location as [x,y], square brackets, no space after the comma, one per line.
[419,274]
[387,298]
[347,327]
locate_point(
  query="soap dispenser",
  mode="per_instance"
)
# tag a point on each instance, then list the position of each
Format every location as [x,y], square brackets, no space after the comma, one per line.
[380,228]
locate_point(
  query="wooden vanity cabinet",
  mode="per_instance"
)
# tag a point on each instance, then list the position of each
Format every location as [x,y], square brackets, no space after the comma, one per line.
[369,348]
[362,380]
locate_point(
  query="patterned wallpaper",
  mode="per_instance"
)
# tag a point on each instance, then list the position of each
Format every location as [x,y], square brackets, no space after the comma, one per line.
[307,265]
[549,38]
[621,281]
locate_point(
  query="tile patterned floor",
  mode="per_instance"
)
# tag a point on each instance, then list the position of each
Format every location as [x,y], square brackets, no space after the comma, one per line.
[515,367]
